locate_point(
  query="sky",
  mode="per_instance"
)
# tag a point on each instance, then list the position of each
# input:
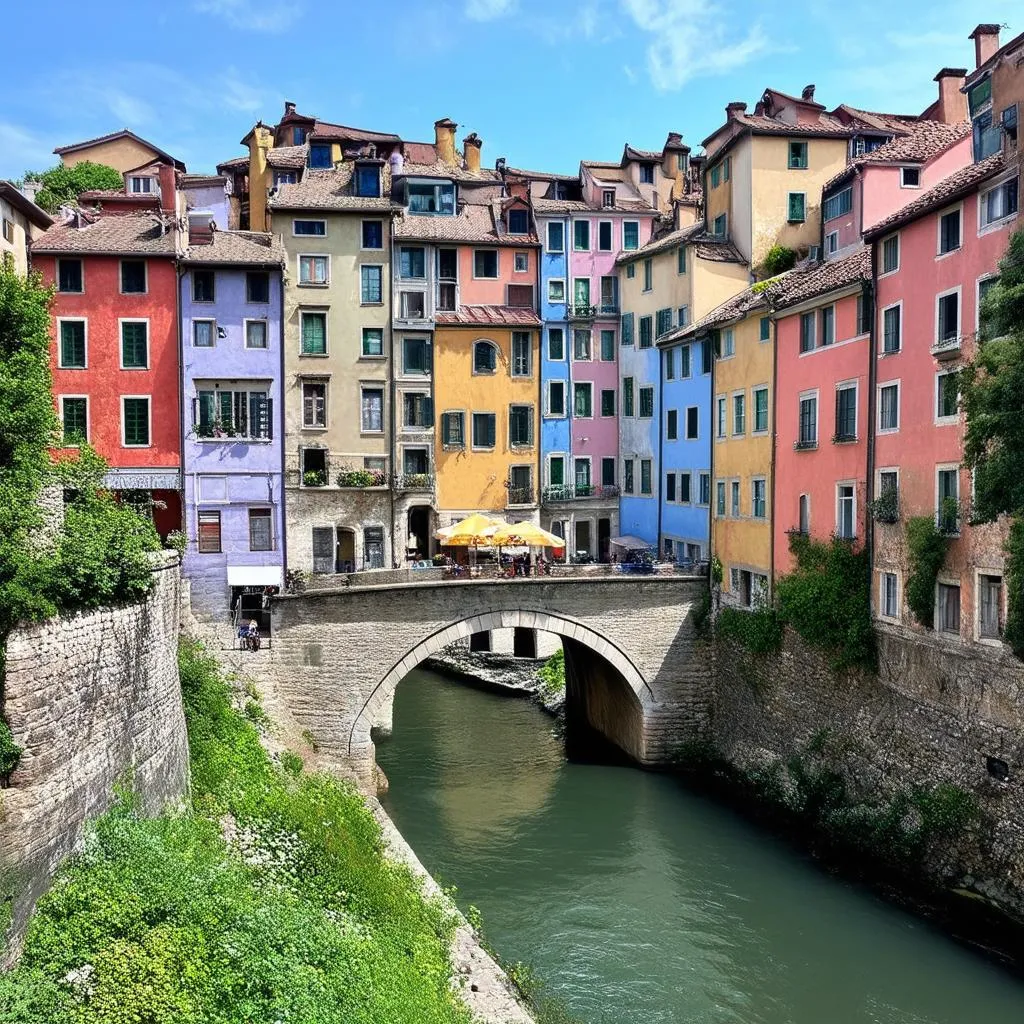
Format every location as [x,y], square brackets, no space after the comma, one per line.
[544,83]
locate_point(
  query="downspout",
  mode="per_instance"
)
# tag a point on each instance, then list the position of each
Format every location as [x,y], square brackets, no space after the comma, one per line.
[181,398]
[661,437]
[280,390]
[392,452]
[713,496]
[774,335]
[869,292]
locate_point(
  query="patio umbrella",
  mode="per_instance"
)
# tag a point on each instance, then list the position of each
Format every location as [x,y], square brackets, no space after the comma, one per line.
[469,533]
[527,534]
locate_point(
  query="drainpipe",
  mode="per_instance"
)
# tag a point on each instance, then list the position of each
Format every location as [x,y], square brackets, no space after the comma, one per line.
[870,291]
[181,398]
[392,452]
[774,334]
[281,445]
[713,496]
[661,436]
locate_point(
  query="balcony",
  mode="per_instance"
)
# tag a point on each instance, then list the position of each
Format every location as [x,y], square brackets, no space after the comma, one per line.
[521,496]
[362,478]
[578,492]
[805,445]
[946,348]
[581,312]
[414,481]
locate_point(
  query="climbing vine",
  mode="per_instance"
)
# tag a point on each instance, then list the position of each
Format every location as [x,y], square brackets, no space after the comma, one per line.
[926,551]
[759,631]
[1013,632]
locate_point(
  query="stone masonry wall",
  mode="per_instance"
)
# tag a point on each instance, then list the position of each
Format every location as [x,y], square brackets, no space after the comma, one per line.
[93,698]
[934,713]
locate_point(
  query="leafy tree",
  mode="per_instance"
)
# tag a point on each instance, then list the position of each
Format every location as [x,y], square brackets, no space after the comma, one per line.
[65,184]
[778,260]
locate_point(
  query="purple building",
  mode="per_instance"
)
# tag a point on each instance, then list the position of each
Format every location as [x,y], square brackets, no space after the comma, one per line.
[232,452]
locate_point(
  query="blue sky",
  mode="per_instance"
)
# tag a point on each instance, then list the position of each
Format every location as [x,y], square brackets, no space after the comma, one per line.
[545,83]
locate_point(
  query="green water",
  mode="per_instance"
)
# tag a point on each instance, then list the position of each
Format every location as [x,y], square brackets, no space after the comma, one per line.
[637,901]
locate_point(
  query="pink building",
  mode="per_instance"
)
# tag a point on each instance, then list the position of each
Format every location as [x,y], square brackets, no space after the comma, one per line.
[822,333]
[933,260]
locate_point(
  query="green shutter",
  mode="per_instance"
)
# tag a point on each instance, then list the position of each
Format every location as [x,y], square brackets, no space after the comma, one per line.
[681,259]
[134,345]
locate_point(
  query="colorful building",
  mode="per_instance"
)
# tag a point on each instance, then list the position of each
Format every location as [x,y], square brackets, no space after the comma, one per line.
[115,345]
[232,294]
[21,220]
[123,150]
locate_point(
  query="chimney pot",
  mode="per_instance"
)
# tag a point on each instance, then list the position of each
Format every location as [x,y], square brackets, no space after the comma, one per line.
[808,93]
[471,146]
[289,107]
[444,140]
[734,109]
[952,106]
[986,42]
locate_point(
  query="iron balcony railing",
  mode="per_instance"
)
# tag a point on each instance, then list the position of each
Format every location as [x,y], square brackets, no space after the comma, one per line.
[414,482]
[575,492]
[805,445]
[520,496]
[588,311]
[946,348]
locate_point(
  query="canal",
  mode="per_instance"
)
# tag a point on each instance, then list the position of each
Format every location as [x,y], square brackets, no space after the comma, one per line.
[638,901]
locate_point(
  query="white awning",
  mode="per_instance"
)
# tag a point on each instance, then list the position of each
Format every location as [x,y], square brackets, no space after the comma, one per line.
[254,575]
[630,543]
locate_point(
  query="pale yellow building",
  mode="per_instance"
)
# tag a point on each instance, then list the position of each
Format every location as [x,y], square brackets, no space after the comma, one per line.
[123,150]
[20,221]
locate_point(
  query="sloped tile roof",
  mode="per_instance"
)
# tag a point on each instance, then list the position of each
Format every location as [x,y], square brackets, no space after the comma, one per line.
[961,183]
[732,309]
[24,205]
[798,285]
[327,131]
[124,133]
[642,154]
[259,248]
[420,152]
[291,157]
[708,247]
[519,172]
[996,57]
[476,222]
[331,190]
[489,316]
[235,163]
[549,206]
[199,180]
[439,169]
[127,234]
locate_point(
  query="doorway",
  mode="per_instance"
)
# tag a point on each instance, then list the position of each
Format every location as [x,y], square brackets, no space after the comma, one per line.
[345,555]
[417,545]
[582,549]
[604,539]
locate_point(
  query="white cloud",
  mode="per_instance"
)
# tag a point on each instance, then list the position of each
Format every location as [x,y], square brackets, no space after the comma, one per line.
[238,94]
[489,10]
[629,72]
[254,15]
[22,150]
[691,38]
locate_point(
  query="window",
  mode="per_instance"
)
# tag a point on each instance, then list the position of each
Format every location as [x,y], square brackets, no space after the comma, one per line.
[556,236]
[726,168]
[646,410]
[607,472]
[999,202]
[670,364]
[134,344]
[368,181]
[670,487]
[846,412]
[948,618]
[672,425]
[807,325]
[373,341]
[984,326]
[323,549]
[608,198]
[889,483]
[719,226]
[371,285]
[317,228]
[728,343]
[72,344]
[796,207]
[734,498]
[865,312]
[412,262]
[949,231]
[760,410]
[692,422]
[556,290]
[284,178]
[520,426]
[648,274]
[413,305]
[892,332]
[518,222]
[556,344]
[704,489]
[757,498]
[582,400]
[372,410]
[313,333]
[520,295]
[681,260]
[947,327]
[828,325]
[664,321]
[69,276]
[910,177]
[684,315]
[808,421]
[889,407]
[8,229]
[764,329]
[522,356]
[832,242]
[453,430]
[315,269]
[948,493]
[889,595]
[485,357]
[891,254]
[716,175]
[846,513]
[947,396]
[797,155]
[804,514]
[645,476]
[739,414]
[630,234]
[837,205]
[604,236]
[607,346]
[719,497]
[74,414]
[133,276]
[483,429]
[706,357]
[203,333]
[581,291]
[373,234]
[203,286]
[520,485]
[415,356]
[431,197]
[257,286]
[626,332]
[135,422]
[581,235]
[314,404]
[417,411]
[556,471]
[627,476]
[990,607]
[647,174]
[209,533]
[720,416]
[627,396]
[521,262]
[609,295]
[608,402]
[646,332]
[260,533]
[581,344]
[140,185]
[630,271]
[485,263]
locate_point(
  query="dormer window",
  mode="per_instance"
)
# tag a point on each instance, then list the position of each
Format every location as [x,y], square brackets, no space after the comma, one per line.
[140,185]
[561,191]
[298,136]
[431,197]
[518,222]
[608,198]
[368,180]
[647,174]
[320,154]
[284,178]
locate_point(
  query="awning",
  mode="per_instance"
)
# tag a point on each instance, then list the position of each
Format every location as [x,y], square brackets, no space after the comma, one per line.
[630,543]
[254,575]
[142,480]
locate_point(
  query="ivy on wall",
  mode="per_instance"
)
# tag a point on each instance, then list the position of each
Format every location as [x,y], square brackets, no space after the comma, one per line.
[926,551]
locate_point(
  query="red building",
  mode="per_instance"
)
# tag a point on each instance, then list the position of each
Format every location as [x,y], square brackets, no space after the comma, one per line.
[115,340]
[822,332]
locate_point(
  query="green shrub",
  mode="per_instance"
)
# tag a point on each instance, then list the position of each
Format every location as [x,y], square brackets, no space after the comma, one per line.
[291,763]
[10,752]
[1013,632]
[552,675]
[778,260]
[760,631]
[63,184]
[926,551]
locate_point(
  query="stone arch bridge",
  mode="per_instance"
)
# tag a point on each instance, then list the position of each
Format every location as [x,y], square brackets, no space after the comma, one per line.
[632,672]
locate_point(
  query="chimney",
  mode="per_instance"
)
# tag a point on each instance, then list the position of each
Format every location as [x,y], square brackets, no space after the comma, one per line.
[168,189]
[30,189]
[471,146]
[733,110]
[808,93]
[952,108]
[444,141]
[289,107]
[986,42]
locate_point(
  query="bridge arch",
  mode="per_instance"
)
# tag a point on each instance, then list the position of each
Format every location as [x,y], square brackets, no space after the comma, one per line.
[570,629]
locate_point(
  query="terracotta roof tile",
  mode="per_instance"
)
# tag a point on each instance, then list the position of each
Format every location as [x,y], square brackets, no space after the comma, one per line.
[200,180]
[996,57]
[339,132]
[732,309]
[489,316]
[476,222]
[707,247]
[258,248]
[519,172]
[642,154]
[114,235]
[288,156]
[798,285]
[439,169]
[550,206]
[235,163]
[331,190]
[420,152]
[961,183]
[24,205]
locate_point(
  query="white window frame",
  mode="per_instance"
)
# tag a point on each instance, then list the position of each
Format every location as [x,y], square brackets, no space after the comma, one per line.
[547,400]
[319,311]
[882,272]
[852,484]
[587,221]
[320,220]
[299,257]
[897,382]
[374,386]
[754,432]
[562,300]
[547,236]
[802,397]
[957,208]
[832,242]
[944,421]
[149,410]
[611,230]
[584,384]
[88,420]
[958,292]
[739,393]
[75,259]
[550,358]
[359,283]
[303,425]
[995,225]
[148,179]
[882,614]
[213,331]
[121,321]
[77,320]
[947,467]
[764,481]
[721,422]
[564,456]
[881,329]
[991,276]
[854,386]
[730,333]
[804,498]
[515,260]
[903,177]
[120,274]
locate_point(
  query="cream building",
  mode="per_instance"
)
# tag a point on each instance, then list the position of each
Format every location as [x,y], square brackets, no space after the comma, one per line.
[20,220]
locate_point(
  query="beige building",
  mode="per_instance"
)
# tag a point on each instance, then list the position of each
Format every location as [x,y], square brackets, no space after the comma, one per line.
[21,221]
[123,150]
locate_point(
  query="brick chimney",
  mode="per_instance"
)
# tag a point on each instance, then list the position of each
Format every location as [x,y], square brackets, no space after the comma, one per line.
[289,107]
[733,110]
[168,189]
[986,42]
[952,106]
[444,141]
[471,146]
[808,93]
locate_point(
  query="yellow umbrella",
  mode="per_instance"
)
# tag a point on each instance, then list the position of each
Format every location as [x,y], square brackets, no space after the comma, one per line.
[474,529]
[527,534]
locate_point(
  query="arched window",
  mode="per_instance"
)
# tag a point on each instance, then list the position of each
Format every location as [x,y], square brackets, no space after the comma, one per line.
[805,514]
[485,357]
